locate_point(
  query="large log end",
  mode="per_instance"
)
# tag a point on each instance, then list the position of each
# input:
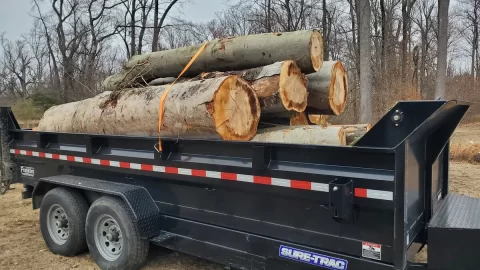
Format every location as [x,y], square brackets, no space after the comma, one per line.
[299,119]
[316,50]
[235,110]
[318,119]
[293,87]
[338,89]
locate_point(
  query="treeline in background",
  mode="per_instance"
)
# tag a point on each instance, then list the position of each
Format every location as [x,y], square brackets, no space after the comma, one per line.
[389,47]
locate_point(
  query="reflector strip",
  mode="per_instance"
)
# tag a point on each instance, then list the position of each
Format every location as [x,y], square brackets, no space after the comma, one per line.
[227,176]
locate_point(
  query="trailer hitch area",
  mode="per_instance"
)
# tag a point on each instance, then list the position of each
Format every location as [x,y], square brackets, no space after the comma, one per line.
[341,200]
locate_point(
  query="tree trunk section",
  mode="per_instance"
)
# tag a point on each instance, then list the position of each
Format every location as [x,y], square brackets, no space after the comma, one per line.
[328,89]
[132,28]
[318,119]
[365,46]
[236,53]
[280,87]
[161,81]
[354,132]
[224,107]
[299,119]
[156,29]
[442,48]
[310,135]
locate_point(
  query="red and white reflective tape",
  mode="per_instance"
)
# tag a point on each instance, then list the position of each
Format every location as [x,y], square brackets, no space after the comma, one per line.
[263,180]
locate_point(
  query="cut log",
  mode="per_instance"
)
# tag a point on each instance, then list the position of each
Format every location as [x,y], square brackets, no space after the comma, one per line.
[236,53]
[354,132]
[356,127]
[161,81]
[299,119]
[310,135]
[328,89]
[280,87]
[318,119]
[224,107]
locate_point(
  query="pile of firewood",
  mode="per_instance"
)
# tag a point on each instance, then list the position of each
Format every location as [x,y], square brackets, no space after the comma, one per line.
[237,89]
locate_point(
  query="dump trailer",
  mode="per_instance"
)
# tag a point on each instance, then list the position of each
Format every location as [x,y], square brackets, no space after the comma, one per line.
[253,205]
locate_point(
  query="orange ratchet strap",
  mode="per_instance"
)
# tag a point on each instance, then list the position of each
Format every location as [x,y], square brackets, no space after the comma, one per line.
[165,93]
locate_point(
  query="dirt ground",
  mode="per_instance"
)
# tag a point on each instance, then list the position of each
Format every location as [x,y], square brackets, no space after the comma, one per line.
[22,246]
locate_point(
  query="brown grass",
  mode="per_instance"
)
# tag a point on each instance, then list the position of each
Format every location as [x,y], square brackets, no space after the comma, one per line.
[465,152]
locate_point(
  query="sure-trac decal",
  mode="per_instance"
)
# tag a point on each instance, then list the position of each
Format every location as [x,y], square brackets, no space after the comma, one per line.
[316,259]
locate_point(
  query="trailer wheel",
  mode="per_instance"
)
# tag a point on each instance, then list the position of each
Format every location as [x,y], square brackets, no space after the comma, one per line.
[62,221]
[113,236]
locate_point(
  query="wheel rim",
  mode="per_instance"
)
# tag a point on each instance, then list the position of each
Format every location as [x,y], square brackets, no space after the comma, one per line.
[57,224]
[108,237]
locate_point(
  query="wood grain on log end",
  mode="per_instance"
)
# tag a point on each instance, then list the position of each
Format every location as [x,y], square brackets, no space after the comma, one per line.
[318,119]
[235,110]
[353,133]
[338,89]
[328,89]
[299,119]
[316,50]
[293,87]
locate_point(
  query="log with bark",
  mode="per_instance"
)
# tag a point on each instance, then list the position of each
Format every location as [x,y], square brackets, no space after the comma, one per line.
[161,81]
[225,107]
[236,53]
[281,87]
[354,132]
[310,135]
[296,119]
[328,89]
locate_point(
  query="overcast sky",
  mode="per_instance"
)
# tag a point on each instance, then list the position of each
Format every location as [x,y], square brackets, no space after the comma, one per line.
[15,19]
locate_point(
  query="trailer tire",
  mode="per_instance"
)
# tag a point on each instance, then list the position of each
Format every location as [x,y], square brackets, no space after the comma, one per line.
[62,221]
[113,235]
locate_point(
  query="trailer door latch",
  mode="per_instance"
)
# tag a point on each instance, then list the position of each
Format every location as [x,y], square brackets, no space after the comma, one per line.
[341,200]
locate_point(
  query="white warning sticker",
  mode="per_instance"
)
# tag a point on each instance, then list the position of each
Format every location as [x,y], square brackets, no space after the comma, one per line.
[371,251]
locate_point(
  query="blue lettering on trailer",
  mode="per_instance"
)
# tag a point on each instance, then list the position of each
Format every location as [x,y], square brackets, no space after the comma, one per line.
[312,258]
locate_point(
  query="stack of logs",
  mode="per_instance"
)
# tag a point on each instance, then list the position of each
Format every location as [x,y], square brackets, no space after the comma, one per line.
[239,88]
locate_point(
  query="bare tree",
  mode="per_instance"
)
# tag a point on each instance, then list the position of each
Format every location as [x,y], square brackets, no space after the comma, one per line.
[36,42]
[54,70]
[159,24]
[102,26]
[133,10]
[425,24]
[17,60]
[442,48]
[326,29]
[145,7]
[365,39]
[470,16]
[68,36]
[389,38]
[407,6]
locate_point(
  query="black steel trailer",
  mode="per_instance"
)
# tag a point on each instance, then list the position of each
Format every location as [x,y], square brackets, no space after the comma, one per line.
[253,205]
